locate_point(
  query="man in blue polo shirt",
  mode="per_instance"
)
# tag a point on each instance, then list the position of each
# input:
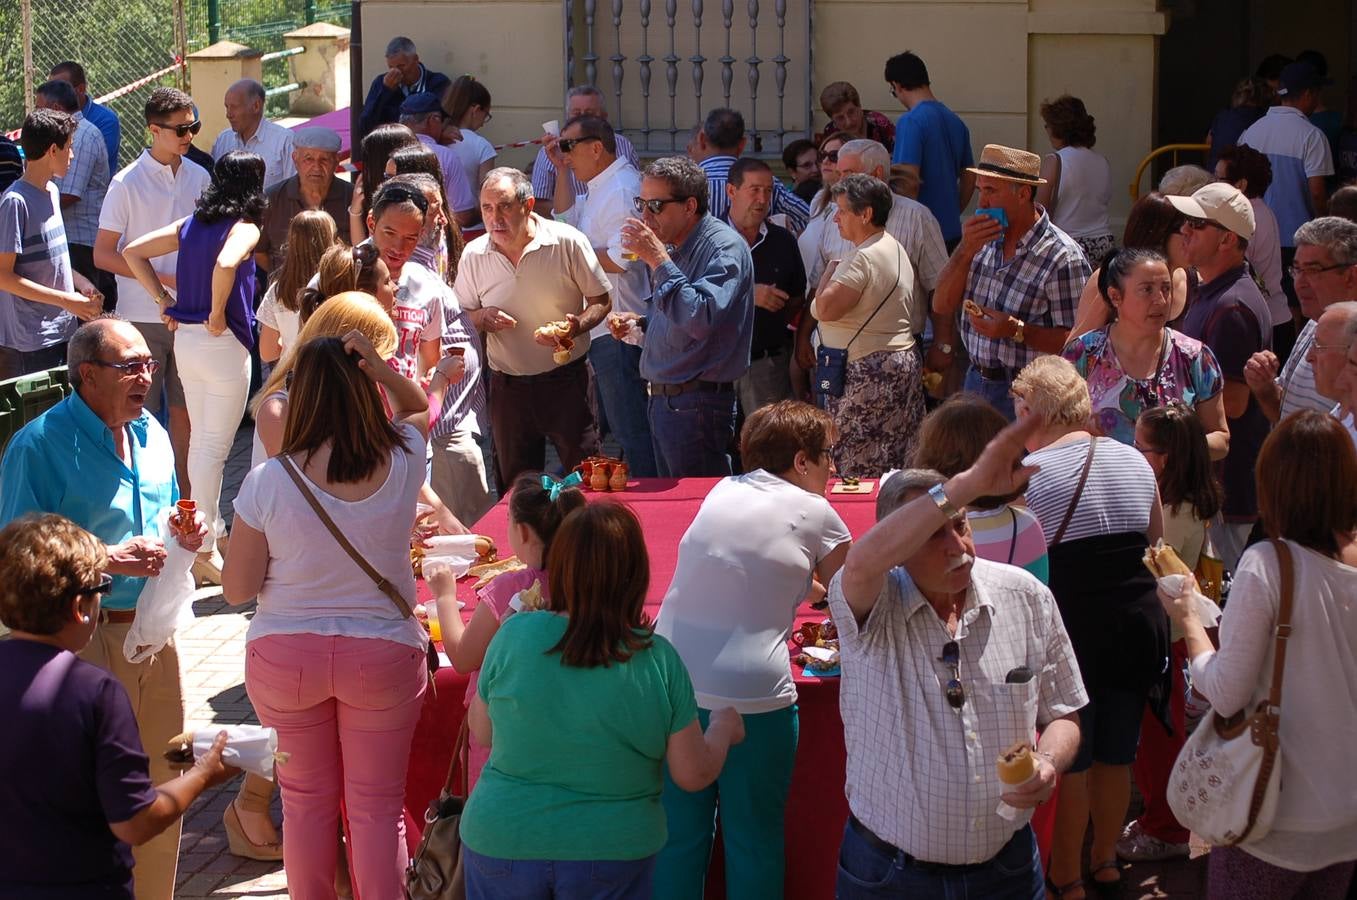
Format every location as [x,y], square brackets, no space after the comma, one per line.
[99,459]
[101,117]
[933,143]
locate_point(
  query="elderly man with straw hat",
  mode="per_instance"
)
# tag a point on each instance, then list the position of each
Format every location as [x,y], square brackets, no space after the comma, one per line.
[1015,276]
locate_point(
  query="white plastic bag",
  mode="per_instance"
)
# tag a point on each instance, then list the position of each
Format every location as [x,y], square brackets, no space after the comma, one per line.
[457,551]
[166,601]
[1207,611]
[252,748]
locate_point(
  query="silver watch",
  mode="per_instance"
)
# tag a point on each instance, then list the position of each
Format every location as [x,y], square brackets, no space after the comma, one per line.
[940,498]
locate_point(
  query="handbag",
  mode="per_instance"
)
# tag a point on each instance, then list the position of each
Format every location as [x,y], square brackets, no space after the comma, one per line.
[435,872]
[1225,782]
[831,363]
[390,590]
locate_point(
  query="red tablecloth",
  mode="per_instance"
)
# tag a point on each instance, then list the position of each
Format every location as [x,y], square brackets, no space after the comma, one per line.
[816,806]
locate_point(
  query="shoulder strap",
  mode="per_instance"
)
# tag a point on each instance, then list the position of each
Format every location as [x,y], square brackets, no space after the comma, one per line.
[382,584]
[1285,564]
[900,251]
[459,764]
[1078,490]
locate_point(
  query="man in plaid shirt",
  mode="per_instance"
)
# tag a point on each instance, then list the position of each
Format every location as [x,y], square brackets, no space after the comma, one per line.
[1022,274]
[948,662]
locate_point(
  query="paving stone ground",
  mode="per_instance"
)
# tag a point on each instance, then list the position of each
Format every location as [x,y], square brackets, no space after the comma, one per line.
[212,654]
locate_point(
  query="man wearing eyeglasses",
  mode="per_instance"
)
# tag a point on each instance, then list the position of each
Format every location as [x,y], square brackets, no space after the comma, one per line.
[587,151]
[701,323]
[99,459]
[948,662]
[1324,273]
[160,187]
[1230,316]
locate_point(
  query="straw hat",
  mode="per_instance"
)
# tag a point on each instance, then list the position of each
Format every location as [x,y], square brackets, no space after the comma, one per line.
[998,161]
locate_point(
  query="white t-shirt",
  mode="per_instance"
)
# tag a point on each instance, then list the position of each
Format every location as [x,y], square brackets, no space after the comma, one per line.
[744,566]
[472,150]
[312,586]
[141,198]
[1120,492]
[287,322]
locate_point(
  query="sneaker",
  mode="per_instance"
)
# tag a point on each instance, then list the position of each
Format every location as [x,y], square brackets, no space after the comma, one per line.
[1137,846]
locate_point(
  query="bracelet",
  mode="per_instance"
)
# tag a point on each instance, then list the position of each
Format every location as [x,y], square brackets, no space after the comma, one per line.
[355,212]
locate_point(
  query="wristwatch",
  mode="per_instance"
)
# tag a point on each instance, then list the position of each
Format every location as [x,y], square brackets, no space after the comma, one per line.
[1017,330]
[939,497]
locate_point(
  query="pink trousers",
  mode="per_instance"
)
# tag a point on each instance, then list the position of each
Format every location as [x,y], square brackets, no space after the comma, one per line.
[345,709]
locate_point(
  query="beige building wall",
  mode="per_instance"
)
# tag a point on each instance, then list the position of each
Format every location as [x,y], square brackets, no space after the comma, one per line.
[993,61]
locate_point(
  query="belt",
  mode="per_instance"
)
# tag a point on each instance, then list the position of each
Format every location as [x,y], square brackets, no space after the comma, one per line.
[549,375]
[116,616]
[697,384]
[995,373]
[779,350]
[886,847]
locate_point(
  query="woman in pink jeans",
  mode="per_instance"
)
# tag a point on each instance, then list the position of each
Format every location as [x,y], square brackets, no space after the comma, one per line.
[331,662]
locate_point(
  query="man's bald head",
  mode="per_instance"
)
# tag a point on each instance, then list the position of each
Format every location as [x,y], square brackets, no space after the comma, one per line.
[245,106]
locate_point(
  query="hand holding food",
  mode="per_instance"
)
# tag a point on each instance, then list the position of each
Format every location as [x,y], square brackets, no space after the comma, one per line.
[1162,560]
[1016,765]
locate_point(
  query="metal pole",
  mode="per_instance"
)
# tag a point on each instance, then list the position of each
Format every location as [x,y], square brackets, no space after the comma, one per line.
[310,12]
[26,18]
[213,21]
[356,86]
[181,45]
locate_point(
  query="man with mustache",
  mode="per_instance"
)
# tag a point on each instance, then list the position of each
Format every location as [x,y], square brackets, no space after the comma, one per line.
[974,656]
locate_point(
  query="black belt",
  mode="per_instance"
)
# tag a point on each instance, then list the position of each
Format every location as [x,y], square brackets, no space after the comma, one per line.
[995,373]
[697,384]
[890,849]
[770,351]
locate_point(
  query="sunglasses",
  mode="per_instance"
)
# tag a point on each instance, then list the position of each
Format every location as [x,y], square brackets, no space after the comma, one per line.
[655,206]
[953,691]
[1202,224]
[399,193]
[830,156]
[181,130]
[132,367]
[568,144]
[103,587]
[364,256]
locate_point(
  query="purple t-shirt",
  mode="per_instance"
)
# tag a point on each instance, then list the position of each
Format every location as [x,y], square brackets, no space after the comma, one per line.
[73,762]
[1227,315]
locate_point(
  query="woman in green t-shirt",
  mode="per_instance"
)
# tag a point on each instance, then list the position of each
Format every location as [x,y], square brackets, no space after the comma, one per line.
[582,705]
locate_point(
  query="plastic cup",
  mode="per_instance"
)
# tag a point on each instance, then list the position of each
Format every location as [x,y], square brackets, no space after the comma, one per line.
[552,128]
[435,629]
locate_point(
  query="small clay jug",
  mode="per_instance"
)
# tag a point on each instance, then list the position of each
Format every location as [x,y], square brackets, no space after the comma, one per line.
[618,481]
[599,479]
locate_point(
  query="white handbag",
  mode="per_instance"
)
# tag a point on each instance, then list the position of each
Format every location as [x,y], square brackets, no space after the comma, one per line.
[1225,782]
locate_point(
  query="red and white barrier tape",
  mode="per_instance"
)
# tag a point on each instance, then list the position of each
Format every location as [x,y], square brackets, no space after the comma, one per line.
[125,89]
[516,144]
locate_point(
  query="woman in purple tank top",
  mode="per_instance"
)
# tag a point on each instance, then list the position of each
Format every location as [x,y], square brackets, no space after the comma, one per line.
[211,313]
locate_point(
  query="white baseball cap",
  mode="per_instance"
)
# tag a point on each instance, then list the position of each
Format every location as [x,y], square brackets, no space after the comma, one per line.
[1221,203]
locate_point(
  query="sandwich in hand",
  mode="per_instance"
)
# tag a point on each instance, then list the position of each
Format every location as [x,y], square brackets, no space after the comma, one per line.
[1016,765]
[1162,561]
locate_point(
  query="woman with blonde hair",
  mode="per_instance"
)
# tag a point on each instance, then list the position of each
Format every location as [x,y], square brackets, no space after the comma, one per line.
[310,233]
[1098,505]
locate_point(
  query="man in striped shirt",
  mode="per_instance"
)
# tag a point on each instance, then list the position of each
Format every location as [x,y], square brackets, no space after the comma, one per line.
[716,146]
[1325,273]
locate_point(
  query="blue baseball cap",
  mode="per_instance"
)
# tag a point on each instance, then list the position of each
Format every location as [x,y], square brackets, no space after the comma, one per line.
[421,104]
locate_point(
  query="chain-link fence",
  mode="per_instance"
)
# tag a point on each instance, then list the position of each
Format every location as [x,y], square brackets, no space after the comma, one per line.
[119,42]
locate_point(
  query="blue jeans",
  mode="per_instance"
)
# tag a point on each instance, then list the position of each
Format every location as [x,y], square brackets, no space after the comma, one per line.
[866,872]
[996,392]
[622,394]
[692,433]
[492,878]
[752,793]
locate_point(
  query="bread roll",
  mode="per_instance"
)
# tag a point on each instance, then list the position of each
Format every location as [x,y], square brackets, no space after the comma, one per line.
[1016,765]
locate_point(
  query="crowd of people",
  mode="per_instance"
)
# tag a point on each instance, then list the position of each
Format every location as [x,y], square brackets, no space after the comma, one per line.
[1037,399]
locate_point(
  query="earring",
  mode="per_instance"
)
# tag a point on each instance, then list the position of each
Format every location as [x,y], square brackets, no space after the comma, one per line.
[84,620]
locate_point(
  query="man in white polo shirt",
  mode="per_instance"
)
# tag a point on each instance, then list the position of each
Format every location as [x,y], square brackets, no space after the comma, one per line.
[251,132]
[523,273]
[160,187]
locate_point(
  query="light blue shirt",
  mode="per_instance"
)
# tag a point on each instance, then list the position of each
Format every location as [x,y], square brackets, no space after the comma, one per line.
[65,462]
[702,309]
[935,139]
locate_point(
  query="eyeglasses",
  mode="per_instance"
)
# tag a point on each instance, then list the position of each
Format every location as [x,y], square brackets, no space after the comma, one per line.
[830,156]
[181,130]
[1312,271]
[488,115]
[1146,448]
[1340,347]
[568,144]
[953,691]
[131,367]
[399,193]
[808,164]
[656,206]
[103,587]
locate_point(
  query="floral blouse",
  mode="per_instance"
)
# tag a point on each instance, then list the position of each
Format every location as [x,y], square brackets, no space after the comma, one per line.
[1188,372]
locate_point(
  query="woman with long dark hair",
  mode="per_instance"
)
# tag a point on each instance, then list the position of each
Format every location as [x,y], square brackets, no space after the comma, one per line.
[376,149]
[212,317]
